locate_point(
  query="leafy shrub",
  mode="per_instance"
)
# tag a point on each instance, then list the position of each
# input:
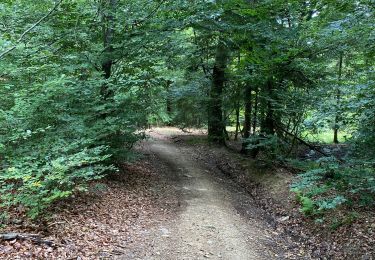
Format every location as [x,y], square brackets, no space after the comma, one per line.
[58,136]
[307,205]
[331,184]
[271,145]
[36,184]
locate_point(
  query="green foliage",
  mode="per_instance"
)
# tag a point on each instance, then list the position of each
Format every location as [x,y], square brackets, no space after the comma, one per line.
[331,184]
[310,68]
[307,205]
[190,102]
[62,122]
[78,88]
[36,183]
[270,145]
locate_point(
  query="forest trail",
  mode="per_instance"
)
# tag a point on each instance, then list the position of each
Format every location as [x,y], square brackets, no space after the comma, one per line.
[208,225]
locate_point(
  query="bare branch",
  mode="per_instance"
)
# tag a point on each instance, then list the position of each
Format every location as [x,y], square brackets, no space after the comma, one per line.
[30,29]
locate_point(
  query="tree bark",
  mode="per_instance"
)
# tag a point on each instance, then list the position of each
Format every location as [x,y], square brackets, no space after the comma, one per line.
[338,101]
[108,10]
[215,109]
[169,100]
[247,115]
[268,125]
[238,126]
[255,112]
[237,121]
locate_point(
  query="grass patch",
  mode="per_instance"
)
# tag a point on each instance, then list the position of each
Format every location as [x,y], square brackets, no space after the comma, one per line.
[326,137]
[231,128]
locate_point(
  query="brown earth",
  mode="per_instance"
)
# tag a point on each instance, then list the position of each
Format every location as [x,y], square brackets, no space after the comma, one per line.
[184,200]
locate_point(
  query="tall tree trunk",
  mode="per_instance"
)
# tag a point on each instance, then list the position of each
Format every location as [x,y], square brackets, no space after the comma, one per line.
[268,125]
[225,117]
[237,121]
[247,115]
[255,114]
[169,100]
[108,9]
[215,109]
[263,106]
[338,103]
[238,103]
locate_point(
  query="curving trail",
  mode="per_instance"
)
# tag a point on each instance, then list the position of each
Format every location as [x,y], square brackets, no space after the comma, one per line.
[208,224]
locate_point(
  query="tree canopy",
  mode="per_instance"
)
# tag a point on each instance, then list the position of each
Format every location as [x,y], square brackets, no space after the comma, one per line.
[81,80]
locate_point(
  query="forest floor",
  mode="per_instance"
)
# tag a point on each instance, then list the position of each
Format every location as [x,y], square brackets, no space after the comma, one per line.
[185,200]
[217,219]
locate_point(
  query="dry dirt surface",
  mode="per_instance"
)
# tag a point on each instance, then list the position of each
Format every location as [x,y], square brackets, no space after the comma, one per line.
[296,236]
[168,205]
[216,219]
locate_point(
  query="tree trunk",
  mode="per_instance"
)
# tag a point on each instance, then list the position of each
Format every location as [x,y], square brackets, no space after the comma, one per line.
[247,115]
[255,112]
[169,100]
[215,109]
[238,103]
[338,101]
[108,9]
[237,121]
[268,125]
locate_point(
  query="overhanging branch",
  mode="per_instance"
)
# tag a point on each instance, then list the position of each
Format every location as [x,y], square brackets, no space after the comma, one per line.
[30,29]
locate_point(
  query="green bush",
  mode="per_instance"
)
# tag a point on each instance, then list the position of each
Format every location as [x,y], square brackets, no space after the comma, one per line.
[331,184]
[35,184]
[57,136]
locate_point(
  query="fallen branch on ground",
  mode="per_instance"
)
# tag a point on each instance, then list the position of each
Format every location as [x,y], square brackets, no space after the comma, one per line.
[185,131]
[309,145]
[32,237]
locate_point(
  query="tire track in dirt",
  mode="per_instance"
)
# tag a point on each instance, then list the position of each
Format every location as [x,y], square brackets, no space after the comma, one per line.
[208,224]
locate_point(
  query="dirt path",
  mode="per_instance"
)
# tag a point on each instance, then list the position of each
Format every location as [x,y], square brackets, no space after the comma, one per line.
[208,224]
[184,200]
